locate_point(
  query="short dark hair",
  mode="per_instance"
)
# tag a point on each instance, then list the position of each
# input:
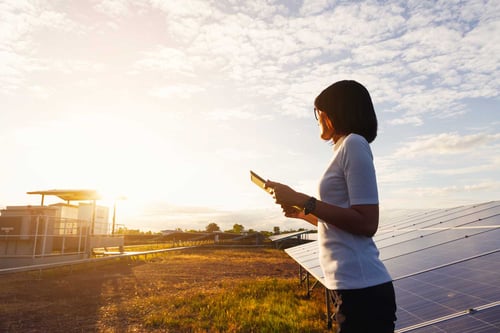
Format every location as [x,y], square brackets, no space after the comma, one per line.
[349,105]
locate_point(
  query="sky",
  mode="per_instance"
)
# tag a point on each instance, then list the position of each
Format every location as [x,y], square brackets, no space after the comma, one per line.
[171,103]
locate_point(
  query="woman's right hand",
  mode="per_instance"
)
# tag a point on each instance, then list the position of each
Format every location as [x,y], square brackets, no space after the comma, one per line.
[297,213]
[293,211]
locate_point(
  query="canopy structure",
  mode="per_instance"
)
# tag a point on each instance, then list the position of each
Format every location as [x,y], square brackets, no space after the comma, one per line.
[78,195]
[70,195]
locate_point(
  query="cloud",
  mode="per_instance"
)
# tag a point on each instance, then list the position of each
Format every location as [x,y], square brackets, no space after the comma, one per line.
[190,8]
[427,197]
[313,7]
[20,21]
[166,61]
[484,186]
[182,91]
[392,172]
[262,45]
[228,114]
[453,190]
[408,55]
[114,8]
[417,121]
[11,74]
[426,63]
[445,144]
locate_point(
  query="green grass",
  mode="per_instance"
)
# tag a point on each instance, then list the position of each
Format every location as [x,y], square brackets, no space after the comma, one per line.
[263,305]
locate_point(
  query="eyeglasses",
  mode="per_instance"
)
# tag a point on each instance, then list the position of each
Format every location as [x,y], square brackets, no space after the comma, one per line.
[316,114]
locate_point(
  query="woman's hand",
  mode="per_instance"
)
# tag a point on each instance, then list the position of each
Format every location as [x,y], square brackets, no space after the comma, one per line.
[284,195]
[293,212]
[298,213]
[291,202]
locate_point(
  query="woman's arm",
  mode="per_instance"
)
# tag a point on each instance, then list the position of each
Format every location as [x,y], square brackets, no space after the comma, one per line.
[358,219]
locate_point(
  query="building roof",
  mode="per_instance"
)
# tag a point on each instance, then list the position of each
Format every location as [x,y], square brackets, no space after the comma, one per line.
[71,195]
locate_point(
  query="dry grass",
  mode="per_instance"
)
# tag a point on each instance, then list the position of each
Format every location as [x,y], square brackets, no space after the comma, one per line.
[199,290]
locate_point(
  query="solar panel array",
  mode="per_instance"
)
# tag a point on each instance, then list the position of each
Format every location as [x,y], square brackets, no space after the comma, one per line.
[446,268]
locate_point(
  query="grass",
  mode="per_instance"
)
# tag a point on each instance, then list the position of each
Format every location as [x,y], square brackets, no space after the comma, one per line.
[196,290]
[263,305]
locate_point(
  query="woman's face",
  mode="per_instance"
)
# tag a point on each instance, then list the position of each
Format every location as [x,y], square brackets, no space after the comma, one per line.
[326,127]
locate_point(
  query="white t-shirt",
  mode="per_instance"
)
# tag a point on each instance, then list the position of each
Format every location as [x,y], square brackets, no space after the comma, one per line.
[349,261]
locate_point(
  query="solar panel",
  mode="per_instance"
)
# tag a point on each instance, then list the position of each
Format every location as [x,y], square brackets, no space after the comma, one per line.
[484,321]
[438,216]
[414,219]
[307,256]
[297,250]
[443,254]
[445,265]
[456,290]
[475,215]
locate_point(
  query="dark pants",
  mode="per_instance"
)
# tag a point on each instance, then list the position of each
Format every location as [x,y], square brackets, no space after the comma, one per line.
[370,309]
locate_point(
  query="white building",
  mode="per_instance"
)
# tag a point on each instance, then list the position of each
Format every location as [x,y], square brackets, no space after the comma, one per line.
[33,234]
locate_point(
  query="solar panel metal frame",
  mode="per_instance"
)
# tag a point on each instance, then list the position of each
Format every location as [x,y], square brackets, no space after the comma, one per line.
[281,237]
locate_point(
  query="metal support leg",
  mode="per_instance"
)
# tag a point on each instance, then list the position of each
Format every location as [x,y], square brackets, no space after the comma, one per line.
[328,309]
[333,302]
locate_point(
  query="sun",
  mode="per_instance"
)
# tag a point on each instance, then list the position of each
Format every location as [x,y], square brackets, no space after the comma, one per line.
[105,152]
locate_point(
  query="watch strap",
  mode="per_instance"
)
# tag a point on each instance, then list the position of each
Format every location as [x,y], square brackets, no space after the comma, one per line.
[310,205]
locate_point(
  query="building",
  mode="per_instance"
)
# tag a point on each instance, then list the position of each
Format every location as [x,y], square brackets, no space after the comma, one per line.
[62,231]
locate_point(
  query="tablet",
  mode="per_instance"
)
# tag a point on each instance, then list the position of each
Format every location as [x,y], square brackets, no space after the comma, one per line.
[259,181]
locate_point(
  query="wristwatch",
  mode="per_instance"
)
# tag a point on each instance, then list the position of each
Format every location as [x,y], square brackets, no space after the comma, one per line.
[310,205]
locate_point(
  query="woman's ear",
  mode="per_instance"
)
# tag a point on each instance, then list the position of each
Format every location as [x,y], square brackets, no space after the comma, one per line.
[328,130]
[328,121]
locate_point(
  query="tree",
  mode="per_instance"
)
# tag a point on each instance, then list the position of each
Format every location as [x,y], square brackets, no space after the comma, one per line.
[238,228]
[276,230]
[212,227]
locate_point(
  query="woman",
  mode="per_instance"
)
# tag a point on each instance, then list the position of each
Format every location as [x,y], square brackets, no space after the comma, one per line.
[347,211]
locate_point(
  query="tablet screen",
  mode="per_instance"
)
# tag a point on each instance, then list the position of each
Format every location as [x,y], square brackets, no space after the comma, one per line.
[259,181]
